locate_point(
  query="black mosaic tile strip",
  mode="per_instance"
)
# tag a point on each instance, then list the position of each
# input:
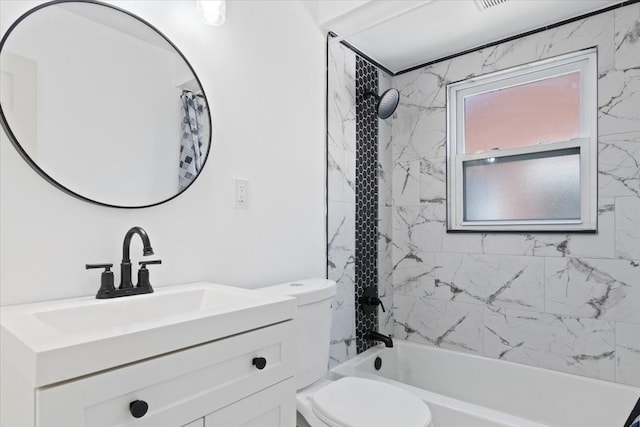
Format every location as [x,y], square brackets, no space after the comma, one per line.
[366,196]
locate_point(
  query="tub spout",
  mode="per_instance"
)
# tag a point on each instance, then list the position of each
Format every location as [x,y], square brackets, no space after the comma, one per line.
[377,336]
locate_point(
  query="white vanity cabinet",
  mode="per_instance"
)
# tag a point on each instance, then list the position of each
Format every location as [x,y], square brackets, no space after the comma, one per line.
[218,381]
[192,355]
[272,407]
[267,408]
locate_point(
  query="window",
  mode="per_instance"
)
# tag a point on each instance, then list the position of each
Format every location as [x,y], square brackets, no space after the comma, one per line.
[522,147]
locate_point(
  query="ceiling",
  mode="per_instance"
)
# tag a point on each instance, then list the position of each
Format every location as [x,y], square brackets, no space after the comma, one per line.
[402,34]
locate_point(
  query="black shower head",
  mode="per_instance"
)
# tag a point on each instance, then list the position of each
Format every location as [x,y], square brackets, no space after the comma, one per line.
[387,102]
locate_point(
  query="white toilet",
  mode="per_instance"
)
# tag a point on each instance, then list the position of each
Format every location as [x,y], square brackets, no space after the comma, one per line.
[349,401]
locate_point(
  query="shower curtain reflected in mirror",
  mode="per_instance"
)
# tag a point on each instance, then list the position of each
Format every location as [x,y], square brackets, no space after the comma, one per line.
[193,141]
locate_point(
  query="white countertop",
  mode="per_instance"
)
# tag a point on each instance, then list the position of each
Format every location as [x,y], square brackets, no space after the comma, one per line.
[54,341]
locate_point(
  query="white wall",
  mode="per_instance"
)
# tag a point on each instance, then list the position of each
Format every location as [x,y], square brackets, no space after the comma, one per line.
[263,72]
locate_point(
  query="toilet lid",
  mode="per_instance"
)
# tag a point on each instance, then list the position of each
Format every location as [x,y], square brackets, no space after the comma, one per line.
[360,402]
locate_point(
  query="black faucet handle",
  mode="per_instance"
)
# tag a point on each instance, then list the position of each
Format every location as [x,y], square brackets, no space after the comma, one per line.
[369,301]
[107,267]
[143,274]
[106,280]
[145,263]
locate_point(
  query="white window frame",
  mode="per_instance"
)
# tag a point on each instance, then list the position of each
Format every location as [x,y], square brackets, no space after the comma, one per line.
[585,62]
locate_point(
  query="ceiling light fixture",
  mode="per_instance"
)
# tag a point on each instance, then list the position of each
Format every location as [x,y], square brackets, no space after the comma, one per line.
[212,12]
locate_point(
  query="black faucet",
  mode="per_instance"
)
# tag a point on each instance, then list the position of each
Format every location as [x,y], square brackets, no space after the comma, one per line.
[125,265]
[377,336]
[107,288]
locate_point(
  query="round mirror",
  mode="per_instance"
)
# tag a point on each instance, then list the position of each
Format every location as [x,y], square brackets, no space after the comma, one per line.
[102,105]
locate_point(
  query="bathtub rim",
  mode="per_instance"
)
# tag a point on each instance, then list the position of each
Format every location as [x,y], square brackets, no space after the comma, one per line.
[354,367]
[451,403]
[360,358]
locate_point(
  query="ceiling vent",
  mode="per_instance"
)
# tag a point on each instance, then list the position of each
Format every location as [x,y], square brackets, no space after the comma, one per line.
[487,4]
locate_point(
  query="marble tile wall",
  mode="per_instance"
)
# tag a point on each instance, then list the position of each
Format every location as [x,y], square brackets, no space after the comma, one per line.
[342,212]
[366,199]
[568,302]
[341,177]
[385,261]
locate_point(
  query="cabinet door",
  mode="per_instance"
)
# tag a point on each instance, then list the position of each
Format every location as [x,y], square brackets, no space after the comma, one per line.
[272,407]
[177,388]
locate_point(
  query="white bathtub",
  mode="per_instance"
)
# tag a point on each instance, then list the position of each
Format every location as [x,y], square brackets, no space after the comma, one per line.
[467,390]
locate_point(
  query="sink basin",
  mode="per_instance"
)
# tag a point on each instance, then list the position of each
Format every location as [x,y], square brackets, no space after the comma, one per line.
[138,311]
[55,341]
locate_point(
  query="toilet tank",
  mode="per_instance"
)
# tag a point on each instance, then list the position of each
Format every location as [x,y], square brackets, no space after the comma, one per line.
[313,323]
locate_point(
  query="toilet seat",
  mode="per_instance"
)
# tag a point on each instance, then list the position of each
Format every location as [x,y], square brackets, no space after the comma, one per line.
[357,402]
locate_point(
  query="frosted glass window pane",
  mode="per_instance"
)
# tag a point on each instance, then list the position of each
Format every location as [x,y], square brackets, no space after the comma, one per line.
[547,110]
[535,186]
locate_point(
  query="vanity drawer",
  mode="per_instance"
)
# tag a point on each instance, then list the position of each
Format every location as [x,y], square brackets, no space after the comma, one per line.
[177,387]
[273,407]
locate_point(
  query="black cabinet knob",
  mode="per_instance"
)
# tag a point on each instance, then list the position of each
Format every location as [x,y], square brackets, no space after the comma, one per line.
[138,408]
[259,362]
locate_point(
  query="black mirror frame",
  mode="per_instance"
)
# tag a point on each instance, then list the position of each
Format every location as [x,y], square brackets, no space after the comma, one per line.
[5,125]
